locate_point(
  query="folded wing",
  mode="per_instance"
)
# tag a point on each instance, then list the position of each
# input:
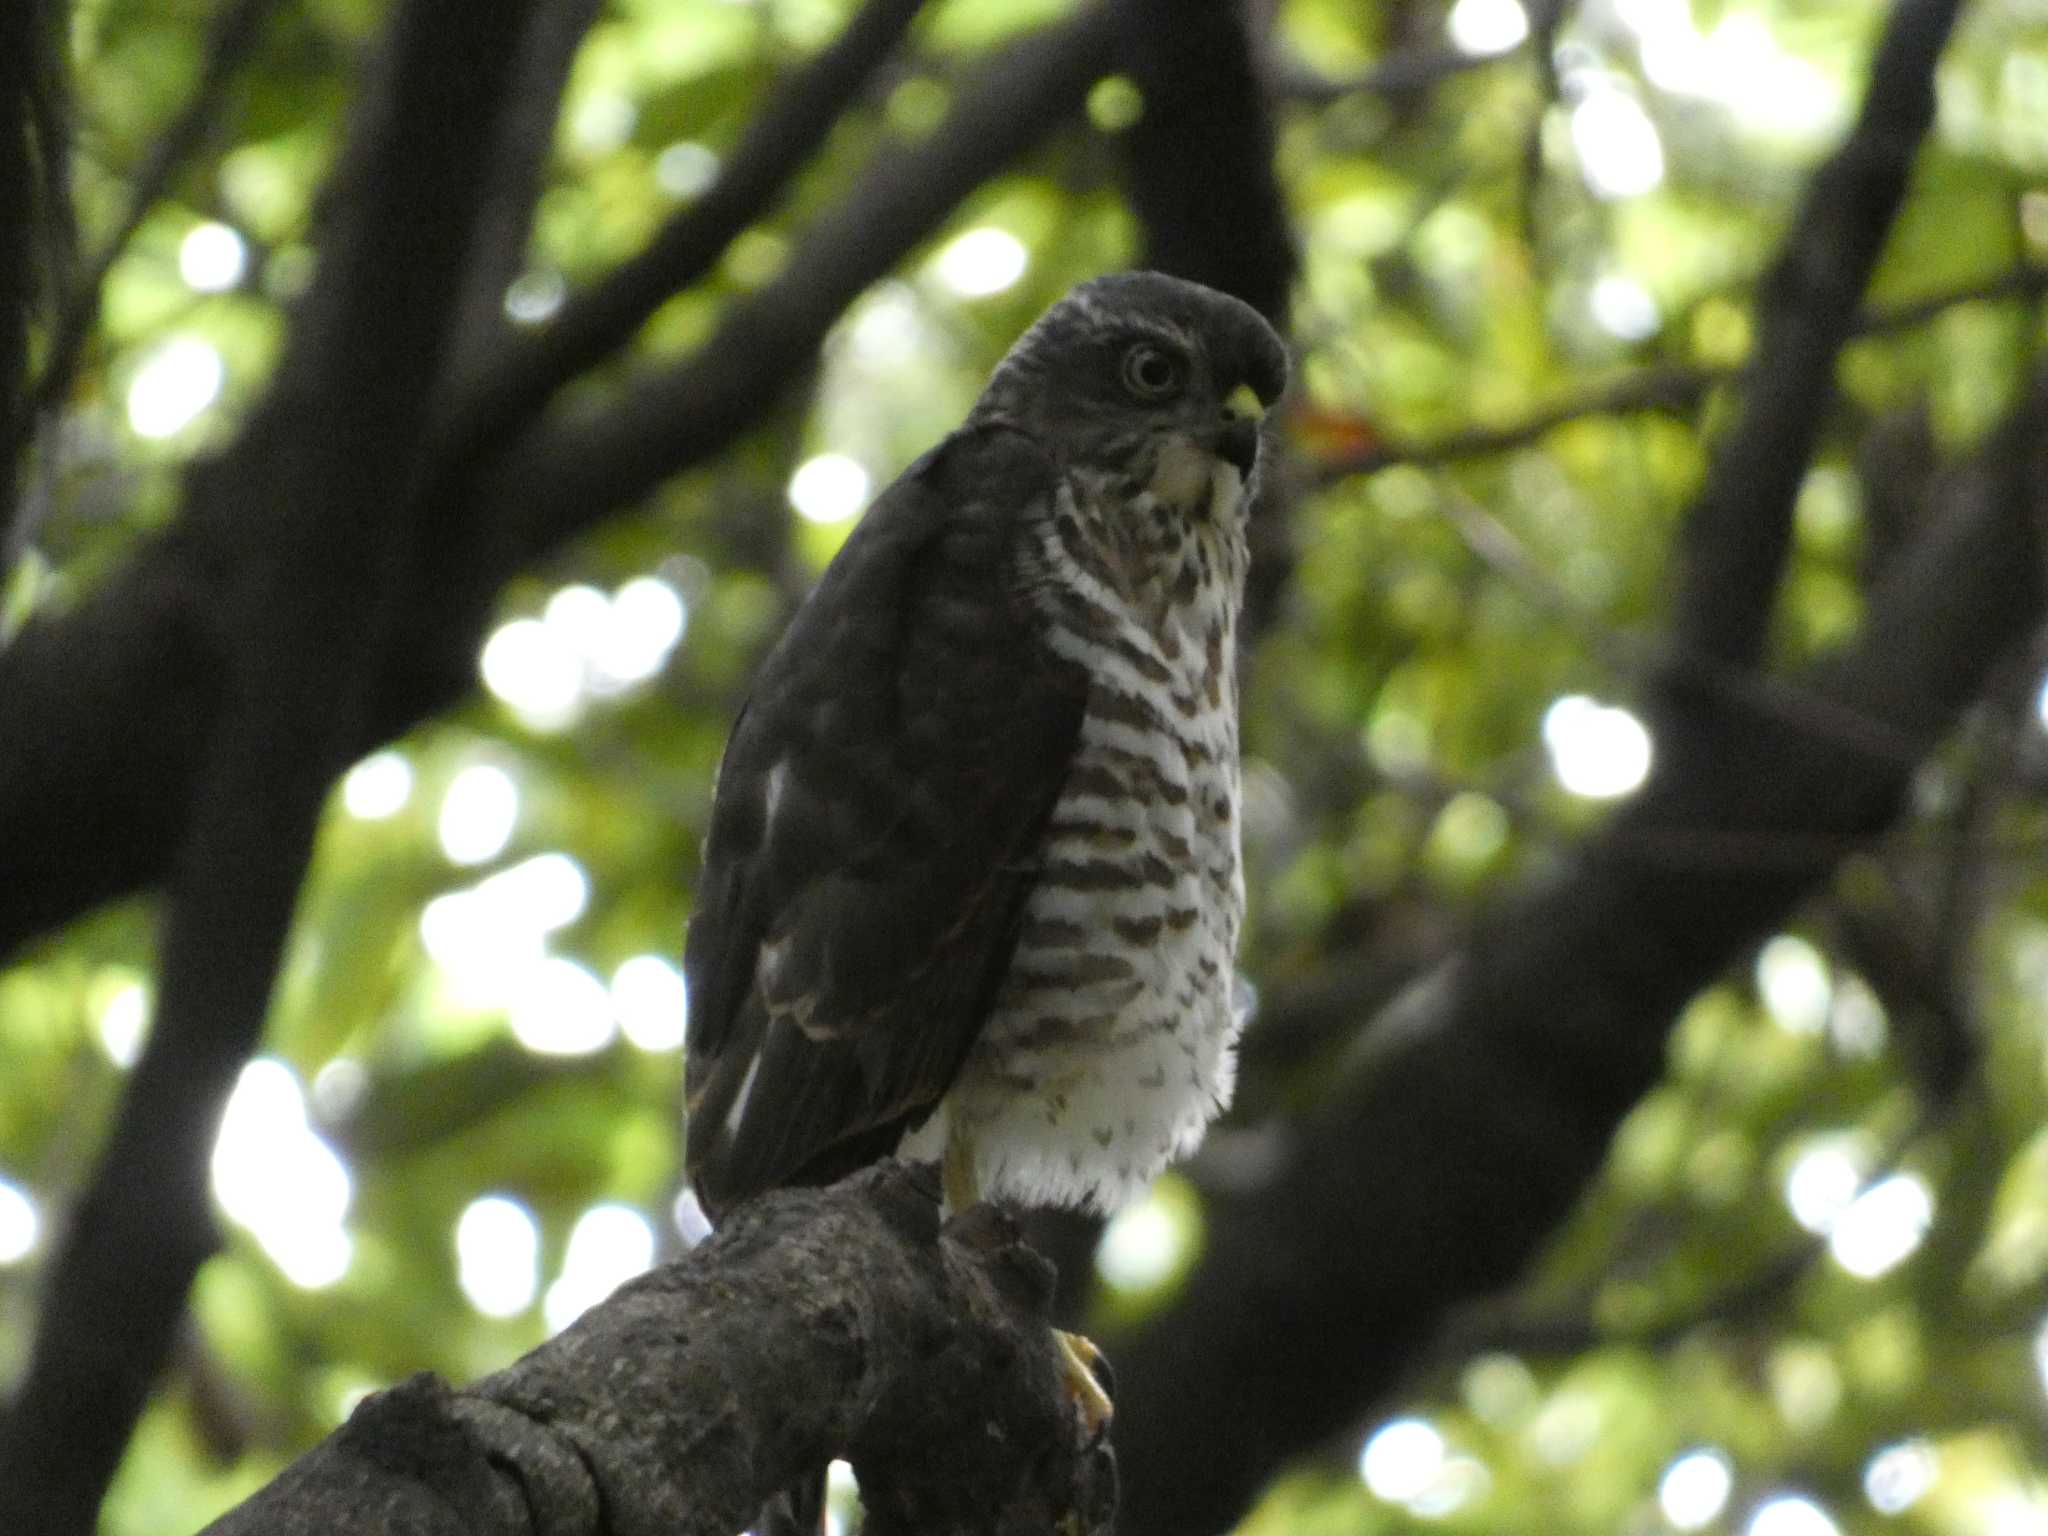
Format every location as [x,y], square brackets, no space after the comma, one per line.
[874,833]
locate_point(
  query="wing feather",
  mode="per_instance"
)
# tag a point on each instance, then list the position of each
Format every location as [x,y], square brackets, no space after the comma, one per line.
[872,839]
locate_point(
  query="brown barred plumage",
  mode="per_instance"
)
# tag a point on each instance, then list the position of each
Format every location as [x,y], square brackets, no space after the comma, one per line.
[972,885]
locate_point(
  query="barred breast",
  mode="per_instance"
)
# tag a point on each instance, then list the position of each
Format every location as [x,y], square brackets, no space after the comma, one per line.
[1111,1046]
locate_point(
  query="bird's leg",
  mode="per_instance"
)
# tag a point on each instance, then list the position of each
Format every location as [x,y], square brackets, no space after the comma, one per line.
[1078,1361]
[956,1173]
[1079,1357]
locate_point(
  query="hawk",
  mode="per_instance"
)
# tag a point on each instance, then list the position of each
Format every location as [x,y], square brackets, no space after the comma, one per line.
[971,890]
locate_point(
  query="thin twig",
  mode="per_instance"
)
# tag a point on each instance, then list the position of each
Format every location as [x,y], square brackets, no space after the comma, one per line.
[508,392]
[1409,72]
[1666,388]
[1645,660]
[231,37]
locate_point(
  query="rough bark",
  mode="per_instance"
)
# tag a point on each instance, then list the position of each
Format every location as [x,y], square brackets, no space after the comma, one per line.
[815,1324]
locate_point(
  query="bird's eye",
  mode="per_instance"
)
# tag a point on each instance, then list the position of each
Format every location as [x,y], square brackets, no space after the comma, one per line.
[1151,372]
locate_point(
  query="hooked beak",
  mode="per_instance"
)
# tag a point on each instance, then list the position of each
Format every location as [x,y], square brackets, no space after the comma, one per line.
[1237,439]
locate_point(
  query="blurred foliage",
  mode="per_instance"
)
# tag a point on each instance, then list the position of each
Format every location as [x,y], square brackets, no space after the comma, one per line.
[1461,269]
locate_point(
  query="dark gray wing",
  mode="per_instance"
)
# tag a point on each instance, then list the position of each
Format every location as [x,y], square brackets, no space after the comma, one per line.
[874,833]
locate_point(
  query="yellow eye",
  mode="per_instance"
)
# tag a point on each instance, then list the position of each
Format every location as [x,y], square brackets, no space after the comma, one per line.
[1151,372]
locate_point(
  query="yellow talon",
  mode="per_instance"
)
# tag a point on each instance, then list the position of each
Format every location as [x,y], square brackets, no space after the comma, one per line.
[1078,1359]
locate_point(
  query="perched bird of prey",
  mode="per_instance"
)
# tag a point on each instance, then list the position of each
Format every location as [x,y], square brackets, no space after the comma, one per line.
[971,891]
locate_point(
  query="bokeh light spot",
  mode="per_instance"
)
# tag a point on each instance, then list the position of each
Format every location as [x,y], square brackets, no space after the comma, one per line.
[1401,1459]
[280,1181]
[1694,1489]
[169,391]
[1824,1180]
[651,1002]
[1791,1515]
[20,1225]
[1619,152]
[1792,978]
[562,1010]
[829,488]
[123,1024]
[533,297]
[497,1253]
[982,261]
[212,258]
[1883,1226]
[377,787]
[685,170]
[1623,307]
[609,1245]
[1598,751]
[1897,1477]
[1487,26]
[478,813]
[1141,1246]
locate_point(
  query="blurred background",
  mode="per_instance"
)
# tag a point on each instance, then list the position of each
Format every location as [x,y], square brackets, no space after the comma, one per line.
[1800,1285]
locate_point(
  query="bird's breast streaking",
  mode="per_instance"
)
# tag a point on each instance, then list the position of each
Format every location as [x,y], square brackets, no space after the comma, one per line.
[1110,1047]
[972,886]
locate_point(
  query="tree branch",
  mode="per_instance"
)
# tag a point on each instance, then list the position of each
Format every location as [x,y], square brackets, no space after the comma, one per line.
[1669,388]
[518,171]
[1200,156]
[565,477]
[323,512]
[1734,540]
[1496,1083]
[113,701]
[231,38]
[1408,73]
[506,395]
[815,1324]
[33,212]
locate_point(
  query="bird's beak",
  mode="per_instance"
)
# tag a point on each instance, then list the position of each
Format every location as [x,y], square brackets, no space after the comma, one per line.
[1237,439]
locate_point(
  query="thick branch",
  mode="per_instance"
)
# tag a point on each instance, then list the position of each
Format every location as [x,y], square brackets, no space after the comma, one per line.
[1736,535]
[816,1324]
[1201,175]
[322,510]
[517,172]
[1495,1084]
[1200,178]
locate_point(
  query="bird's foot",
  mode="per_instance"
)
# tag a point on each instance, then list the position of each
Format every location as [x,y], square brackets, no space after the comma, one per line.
[1082,1369]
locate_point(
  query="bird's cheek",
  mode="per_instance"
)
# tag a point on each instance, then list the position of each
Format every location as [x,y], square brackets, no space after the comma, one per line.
[1226,491]
[1181,474]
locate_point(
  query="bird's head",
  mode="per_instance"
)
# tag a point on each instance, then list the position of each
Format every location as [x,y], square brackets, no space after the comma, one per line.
[1147,382]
